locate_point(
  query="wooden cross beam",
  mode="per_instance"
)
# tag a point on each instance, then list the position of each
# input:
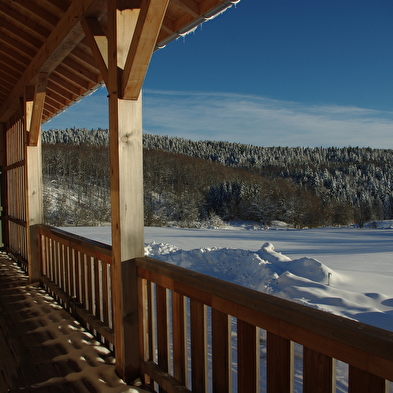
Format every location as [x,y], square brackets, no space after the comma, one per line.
[37,109]
[142,46]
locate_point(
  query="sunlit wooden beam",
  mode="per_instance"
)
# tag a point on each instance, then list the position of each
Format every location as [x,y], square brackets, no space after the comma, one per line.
[142,46]
[98,43]
[38,108]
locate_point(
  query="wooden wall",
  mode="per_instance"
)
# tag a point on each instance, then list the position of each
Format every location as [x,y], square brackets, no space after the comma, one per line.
[14,191]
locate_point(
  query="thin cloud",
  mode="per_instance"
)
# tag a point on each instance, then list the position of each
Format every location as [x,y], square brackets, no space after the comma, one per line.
[262,121]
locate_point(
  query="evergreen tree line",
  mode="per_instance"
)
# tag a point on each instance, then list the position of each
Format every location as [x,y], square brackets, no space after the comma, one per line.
[188,182]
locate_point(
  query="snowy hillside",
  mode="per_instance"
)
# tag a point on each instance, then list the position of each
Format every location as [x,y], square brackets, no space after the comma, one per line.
[187,181]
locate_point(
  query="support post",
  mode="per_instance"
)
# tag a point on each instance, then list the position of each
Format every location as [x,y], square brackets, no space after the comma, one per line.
[125,127]
[2,188]
[34,205]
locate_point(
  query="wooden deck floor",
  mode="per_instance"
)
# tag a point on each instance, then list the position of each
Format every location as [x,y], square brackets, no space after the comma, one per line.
[42,348]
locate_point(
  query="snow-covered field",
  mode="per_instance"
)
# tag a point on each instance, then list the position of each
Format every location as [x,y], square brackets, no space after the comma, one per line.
[346,271]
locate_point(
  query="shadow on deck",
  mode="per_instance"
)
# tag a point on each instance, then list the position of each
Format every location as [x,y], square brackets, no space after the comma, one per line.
[43,348]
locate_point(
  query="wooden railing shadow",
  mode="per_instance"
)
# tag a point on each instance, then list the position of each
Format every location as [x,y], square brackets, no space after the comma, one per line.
[200,334]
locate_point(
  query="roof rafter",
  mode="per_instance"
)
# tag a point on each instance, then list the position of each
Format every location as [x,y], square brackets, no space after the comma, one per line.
[190,6]
[70,40]
[63,38]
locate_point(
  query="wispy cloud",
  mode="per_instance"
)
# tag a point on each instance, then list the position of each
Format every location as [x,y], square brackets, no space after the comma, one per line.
[262,121]
[243,118]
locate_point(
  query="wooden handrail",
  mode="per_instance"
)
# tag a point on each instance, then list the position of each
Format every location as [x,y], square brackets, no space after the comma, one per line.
[368,350]
[80,243]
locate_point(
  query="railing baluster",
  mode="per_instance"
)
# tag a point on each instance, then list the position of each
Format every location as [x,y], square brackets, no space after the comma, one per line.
[145,332]
[97,288]
[57,265]
[105,294]
[221,352]
[83,281]
[89,283]
[247,360]
[198,347]
[73,253]
[360,381]
[152,327]
[67,262]
[319,372]
[78,264]
[52,259]
[61,266]
[162,329]
[143,315]
[279,364]
[179,338]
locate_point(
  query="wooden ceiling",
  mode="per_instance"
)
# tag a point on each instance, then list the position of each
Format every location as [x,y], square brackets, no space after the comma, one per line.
[43,43]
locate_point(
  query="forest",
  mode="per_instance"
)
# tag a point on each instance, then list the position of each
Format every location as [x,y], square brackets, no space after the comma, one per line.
[205,183]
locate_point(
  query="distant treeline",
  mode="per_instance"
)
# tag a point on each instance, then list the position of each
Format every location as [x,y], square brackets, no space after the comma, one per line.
[192,183]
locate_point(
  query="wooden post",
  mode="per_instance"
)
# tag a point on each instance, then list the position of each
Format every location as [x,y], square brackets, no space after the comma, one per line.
[125,125]
[2,188]
[34,205]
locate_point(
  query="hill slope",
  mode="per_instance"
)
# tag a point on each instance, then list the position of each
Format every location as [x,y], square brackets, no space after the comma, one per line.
[187,182]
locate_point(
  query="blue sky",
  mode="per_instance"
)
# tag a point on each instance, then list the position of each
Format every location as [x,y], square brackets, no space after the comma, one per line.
[271,73]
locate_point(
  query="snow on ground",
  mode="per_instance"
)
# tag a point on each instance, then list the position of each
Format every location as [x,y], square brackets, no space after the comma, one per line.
[346,271]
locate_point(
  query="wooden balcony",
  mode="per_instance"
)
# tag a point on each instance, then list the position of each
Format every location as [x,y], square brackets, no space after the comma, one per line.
[178,330]
[196,333]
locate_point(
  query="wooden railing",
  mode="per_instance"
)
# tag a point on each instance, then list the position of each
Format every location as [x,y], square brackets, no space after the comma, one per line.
[77,272]
[191,323]
[201,334]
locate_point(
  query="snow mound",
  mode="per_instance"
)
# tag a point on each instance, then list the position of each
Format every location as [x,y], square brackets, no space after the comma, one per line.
[267,253]
[239,266]
[304,280]
[260,270]
[312,269]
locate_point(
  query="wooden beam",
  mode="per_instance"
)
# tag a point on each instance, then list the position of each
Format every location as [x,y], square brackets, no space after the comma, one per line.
[37,110]
[142,46]
[126,176]
[33,173]
[98,43]
[190,6]
[62,40]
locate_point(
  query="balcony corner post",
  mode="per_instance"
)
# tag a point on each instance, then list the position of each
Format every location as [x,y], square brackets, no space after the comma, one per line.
[34,202]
